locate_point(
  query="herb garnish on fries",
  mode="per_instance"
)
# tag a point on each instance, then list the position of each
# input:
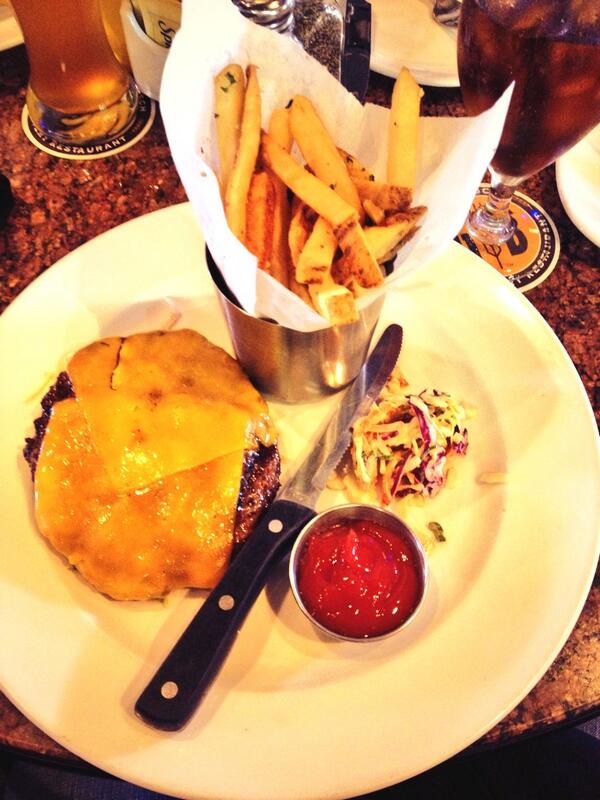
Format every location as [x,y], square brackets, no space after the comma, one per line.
[324,228]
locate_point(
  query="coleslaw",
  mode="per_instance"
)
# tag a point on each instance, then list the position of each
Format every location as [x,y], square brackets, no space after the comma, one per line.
[401,448]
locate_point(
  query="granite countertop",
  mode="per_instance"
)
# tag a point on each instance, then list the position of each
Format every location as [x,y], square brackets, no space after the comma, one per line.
[60,204]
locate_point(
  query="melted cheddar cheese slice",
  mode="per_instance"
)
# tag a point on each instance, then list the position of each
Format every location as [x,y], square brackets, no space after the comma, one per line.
[176,533]
[158,403]
[138,476]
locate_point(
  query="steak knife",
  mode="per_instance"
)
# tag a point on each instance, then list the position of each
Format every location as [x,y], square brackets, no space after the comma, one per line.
[177,688]
[356,53]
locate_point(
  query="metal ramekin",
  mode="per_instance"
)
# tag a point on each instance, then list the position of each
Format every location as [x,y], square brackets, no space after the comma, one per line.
[293,366]
[356,511]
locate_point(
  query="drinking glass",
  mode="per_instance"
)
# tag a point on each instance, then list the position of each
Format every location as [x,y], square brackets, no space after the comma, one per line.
[78,91]
[110,10]
[551,50]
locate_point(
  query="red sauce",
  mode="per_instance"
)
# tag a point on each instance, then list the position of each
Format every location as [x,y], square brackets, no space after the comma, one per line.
[359,578]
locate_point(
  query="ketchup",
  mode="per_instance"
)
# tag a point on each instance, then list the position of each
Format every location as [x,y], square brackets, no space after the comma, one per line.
[359,578]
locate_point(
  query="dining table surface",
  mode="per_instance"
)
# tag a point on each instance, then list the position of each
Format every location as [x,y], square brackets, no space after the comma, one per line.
[59,204]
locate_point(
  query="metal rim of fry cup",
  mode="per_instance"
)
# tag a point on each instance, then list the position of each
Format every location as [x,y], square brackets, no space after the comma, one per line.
[295,366]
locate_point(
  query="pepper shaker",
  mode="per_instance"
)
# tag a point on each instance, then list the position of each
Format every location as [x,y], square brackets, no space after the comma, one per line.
[318,25]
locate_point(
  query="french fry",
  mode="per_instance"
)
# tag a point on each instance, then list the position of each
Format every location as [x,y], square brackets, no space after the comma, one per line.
[316,258]
[385,195]
[307,187]
[413,213]
[239,183]
[322,229]
[374,213]
[355,168]
[300,290]
[279,128]
[357,261]
[299,229]
[260,214]
[384,240]
[355,288]
[320,151]
[403,131]
[301,223]
[334,302]
[229,104]
[281,263]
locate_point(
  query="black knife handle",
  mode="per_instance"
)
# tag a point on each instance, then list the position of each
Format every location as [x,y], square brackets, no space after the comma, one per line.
[177,688]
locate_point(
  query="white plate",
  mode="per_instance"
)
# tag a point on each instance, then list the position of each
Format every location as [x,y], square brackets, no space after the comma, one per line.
[293,716]
[578,180]
[404,34]
[10,33]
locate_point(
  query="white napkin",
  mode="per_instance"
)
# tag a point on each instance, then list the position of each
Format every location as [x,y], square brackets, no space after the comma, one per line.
[453,153]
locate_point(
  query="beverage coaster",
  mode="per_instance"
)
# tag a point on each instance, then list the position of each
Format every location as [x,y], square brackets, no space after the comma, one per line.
[139,127]
[530,256]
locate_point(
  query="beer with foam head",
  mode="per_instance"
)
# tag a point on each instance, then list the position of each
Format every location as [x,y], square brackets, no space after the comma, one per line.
[551,50]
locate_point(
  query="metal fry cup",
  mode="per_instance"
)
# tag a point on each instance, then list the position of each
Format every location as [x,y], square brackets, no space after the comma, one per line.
[295,366]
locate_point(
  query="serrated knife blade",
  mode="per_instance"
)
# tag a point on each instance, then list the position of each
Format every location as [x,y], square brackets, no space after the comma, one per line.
[175,691]
[310,478]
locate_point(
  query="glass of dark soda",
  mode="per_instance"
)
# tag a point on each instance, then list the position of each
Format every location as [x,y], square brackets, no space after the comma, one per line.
[550,50]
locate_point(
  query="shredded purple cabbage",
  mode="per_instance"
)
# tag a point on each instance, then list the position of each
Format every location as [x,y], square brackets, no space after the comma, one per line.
[424,425]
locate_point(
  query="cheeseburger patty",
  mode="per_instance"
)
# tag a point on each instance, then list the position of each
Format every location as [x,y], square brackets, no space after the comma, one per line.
[260,471]
[152,460]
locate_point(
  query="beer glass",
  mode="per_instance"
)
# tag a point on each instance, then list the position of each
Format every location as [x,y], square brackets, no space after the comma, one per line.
[110,11]
[551,50]
[78,93]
